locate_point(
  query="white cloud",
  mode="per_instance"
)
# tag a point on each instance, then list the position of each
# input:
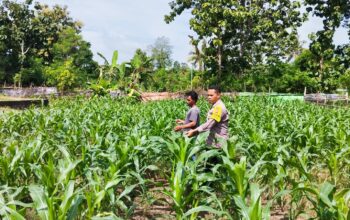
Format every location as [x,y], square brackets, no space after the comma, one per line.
[127,25]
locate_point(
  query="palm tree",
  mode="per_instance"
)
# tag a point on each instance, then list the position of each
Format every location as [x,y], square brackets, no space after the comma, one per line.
[197,56]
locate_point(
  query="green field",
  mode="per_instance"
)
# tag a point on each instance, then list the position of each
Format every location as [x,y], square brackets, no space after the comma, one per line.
[118,159]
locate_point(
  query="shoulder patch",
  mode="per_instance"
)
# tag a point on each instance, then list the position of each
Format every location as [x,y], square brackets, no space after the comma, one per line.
[217,113]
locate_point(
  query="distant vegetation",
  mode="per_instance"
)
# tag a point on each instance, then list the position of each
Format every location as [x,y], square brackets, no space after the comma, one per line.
[239,45]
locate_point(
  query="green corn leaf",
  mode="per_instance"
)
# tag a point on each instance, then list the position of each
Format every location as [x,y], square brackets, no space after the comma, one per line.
[13,214]
[67,199]
[244,210]
[40,201]
[325,192]
[127,190]
[205,209]
[106,216]
[73,212]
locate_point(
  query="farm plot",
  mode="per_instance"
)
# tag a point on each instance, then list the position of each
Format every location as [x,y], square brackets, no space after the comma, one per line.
[116,159]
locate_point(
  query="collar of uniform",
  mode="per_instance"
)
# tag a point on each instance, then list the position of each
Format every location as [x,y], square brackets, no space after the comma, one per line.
[217,102]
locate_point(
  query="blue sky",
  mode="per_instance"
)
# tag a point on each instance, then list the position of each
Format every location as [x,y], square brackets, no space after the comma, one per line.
[126,25]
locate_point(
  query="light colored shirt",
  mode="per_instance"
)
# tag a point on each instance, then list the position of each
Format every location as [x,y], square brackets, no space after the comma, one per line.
[217,122]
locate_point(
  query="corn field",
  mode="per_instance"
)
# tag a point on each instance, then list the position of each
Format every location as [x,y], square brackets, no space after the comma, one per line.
[105,158]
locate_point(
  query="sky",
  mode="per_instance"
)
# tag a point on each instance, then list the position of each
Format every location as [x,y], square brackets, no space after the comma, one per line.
[126,25]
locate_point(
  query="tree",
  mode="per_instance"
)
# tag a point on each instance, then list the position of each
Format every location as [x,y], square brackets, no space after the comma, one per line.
[334,14]
[63,75]
[73,53]
[35,36]
[161,53]
[49,23]
[16,36]
[197,56]
[70,45]
[141,67]
[243,33]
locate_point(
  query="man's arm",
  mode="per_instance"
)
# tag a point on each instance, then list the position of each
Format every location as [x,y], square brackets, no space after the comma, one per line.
[180,121]
[192,124]
[204,127]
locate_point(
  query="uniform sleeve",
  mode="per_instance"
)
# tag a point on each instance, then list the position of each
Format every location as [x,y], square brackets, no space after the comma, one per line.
[206,126]
[217,113]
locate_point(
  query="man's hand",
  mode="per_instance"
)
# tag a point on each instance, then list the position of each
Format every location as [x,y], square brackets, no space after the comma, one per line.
[178,128]
[191,133]
[179,121]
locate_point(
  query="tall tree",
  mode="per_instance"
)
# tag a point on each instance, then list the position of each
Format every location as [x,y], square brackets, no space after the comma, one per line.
[16,35]
[334,15]
[49,23]
[71,47]
[241,33]
[161,53]
[29,33]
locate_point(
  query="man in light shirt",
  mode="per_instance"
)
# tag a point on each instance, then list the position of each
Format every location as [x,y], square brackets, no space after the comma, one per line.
[217,119]
[192,117]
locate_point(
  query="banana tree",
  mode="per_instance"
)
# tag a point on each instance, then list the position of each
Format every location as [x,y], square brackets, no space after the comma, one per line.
[112,70]
[140,70]
[109,71]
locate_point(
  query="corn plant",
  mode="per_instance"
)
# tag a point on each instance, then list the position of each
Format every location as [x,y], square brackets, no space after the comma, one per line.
[326,202]
[101,158]
[10,206]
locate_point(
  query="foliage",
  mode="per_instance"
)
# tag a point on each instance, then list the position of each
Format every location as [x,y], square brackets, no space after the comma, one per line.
[140,70]
[34,36]
[161,53]
[323,49]
[62,75]
[344,80]
[197,56]
[70,45]
[241,34]
[95,158]
[239,45]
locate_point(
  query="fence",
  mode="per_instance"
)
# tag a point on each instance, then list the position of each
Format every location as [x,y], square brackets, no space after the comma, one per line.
[29,92]
[322,98]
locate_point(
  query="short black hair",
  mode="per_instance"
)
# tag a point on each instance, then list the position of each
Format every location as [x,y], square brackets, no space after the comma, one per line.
[193,95]
[216,88]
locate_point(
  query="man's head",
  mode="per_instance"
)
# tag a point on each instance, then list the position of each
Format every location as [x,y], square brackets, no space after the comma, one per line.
[191,98]
[214,94]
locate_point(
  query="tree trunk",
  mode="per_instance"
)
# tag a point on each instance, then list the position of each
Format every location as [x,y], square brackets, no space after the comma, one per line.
[219,62]
[321,68]
[23,54]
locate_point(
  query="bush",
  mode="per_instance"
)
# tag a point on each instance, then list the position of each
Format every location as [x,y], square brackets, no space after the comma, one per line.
[66,80]
[32,75]
[295,82]
[344,80]
[62,75]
